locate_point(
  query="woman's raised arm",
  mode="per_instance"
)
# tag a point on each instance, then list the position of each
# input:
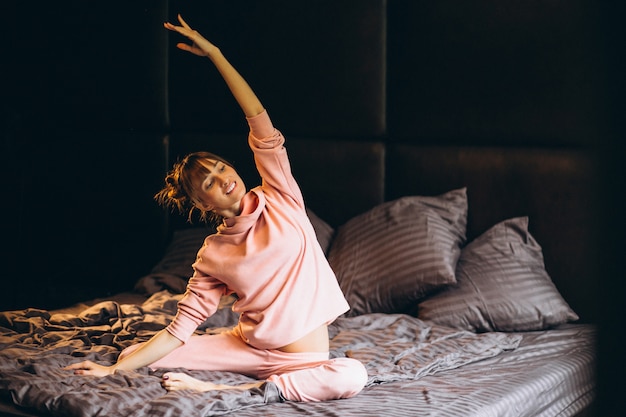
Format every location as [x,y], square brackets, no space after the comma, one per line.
[238,86]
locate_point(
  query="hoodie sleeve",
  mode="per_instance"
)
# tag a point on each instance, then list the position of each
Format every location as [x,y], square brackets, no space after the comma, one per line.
[270,156]
[199,302]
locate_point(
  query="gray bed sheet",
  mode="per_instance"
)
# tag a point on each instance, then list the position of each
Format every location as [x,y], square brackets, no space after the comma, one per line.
[551,373]
[414,367]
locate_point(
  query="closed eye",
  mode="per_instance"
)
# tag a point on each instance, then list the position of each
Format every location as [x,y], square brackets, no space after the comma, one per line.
[208,183]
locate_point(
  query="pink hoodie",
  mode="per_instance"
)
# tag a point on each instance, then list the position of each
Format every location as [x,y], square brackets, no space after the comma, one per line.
[269,256]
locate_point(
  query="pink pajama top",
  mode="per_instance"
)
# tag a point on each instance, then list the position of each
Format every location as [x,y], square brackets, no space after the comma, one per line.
[268,255]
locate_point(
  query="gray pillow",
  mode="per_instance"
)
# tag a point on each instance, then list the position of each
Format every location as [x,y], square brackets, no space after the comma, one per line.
[393,255]
[174,269]
[502,286]
[323,230]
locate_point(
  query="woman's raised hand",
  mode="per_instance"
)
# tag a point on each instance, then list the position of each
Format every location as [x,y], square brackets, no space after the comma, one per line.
[240,89]
[200,46]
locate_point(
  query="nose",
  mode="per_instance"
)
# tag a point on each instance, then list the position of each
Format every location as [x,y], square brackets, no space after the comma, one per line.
[223,181]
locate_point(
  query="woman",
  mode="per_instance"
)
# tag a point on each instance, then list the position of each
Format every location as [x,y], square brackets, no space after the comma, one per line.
[265,252]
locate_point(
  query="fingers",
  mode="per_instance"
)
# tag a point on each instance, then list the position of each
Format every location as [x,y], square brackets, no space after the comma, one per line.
[183,23]
[86,368]
[172,27]
[185,31]
[200,46]
[83,372]
[184,47]
[79,365]
[80,369]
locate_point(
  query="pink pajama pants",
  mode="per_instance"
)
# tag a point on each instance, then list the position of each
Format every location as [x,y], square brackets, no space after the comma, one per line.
[307,376]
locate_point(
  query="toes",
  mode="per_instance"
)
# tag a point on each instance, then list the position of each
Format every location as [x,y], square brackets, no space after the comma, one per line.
[173,376]
[173,381]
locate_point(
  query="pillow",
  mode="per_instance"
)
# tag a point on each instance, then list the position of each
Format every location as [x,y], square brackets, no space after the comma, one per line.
[173,270]
[393,255]
[323,230]
[502,286]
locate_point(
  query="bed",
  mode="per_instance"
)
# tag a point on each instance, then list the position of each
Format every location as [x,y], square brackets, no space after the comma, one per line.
[447,155]
[444,327]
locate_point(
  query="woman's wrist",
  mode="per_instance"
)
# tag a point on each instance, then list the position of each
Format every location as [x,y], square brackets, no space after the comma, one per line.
[214,53]
[119,366]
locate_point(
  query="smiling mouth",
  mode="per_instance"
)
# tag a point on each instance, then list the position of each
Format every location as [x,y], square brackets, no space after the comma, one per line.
[231,187]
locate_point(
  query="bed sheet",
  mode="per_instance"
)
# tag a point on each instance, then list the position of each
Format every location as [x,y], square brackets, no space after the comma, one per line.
[414,367]
[550,373]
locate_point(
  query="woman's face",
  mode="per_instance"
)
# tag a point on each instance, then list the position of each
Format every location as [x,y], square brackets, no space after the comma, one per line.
[221,190]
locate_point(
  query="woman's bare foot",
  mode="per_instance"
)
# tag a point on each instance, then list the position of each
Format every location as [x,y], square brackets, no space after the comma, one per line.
[174,381]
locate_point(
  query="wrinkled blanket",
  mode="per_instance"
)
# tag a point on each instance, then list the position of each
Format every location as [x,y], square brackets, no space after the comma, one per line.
[35,345]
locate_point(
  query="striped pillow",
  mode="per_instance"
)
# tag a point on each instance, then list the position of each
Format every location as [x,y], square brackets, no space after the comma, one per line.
[174,268]
[393,255]
[323,230]
[502,286]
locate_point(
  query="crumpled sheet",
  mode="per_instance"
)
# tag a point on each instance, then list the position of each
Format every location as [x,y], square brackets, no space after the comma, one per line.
[35,345]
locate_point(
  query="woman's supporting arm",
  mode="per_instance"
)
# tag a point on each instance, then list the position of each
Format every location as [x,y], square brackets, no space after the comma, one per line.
[238,86]
[157,347]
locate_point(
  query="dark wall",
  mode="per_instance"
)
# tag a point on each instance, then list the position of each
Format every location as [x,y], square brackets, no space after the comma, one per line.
[494,72]
[317,66]
[611,361]
[83,126]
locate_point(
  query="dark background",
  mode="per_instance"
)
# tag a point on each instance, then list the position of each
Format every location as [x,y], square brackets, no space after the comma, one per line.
[92,91]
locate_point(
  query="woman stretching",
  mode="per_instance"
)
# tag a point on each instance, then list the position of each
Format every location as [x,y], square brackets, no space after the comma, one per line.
[265,251]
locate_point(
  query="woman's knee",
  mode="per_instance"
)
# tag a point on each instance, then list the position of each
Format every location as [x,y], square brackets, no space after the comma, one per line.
[334,379]
[348,378]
